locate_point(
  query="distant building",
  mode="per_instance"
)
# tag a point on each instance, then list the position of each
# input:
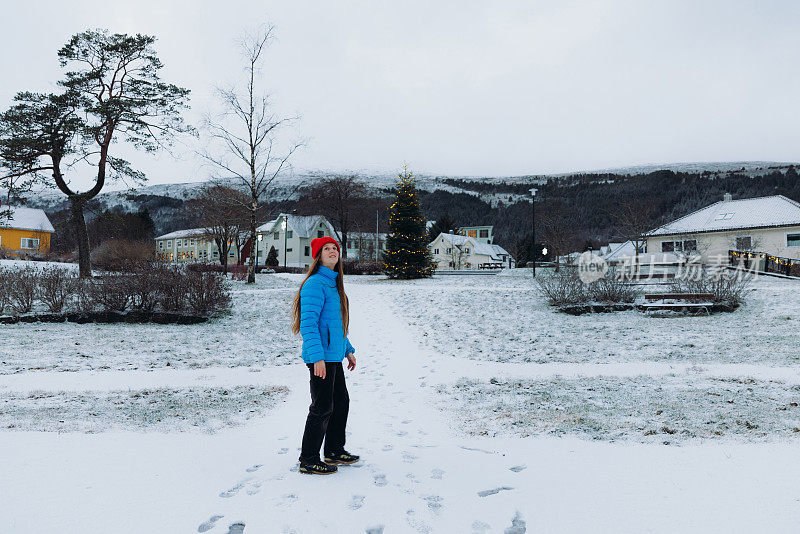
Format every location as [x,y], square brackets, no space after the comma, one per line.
[362,245]
[24,231]
[291,236]
[765,224]
[483,234]
[456,252]
[193,245]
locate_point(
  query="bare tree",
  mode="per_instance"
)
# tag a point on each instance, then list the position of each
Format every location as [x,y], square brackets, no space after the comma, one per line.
[633,218]
[557,224]
[221,211]
[246,135]
[341,199]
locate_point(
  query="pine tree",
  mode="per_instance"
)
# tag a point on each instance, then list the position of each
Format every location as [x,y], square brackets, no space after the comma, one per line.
[407,255]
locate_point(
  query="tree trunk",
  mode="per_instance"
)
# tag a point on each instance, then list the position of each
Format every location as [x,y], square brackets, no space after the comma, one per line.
[251,270]
[78,221]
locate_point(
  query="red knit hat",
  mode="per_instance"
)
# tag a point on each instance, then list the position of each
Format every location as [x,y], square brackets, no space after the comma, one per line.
[318,243]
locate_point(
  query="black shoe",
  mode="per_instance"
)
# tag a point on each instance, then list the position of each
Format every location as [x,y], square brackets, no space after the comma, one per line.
[317,468]
[343,457]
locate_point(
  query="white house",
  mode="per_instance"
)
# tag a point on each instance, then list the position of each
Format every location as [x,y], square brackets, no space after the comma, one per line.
[291,236]
[455,252]
[765,224]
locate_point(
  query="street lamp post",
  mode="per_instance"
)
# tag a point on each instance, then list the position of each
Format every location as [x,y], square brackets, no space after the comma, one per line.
[533,224]
[257,240]
[285,226]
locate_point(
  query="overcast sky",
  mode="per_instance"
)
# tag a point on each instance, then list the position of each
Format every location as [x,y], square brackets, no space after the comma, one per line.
[466,88]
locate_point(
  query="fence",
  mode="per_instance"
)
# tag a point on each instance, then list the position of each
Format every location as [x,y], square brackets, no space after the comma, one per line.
[761,261]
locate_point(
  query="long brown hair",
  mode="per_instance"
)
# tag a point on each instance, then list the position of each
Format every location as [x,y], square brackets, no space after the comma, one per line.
[344,303]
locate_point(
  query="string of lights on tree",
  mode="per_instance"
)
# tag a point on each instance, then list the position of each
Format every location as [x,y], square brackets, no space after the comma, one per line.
[407,255]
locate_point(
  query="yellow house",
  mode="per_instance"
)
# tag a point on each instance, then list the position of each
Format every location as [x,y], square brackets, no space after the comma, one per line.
[24,231]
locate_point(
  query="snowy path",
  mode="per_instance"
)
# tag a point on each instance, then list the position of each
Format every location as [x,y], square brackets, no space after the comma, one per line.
[418,474]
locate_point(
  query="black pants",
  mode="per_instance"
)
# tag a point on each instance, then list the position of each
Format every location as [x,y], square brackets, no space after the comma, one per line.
[327,415]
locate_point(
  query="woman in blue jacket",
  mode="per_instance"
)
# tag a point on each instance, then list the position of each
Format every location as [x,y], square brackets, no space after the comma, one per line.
[322,316]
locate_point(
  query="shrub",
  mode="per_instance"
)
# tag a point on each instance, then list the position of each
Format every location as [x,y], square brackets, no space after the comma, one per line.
[142,286]
[612,288]
[726,286]
[206,293]
[563,288]
[171,287]
[56,288]
[3,289]
[112,292]
[22,288]
[122,254]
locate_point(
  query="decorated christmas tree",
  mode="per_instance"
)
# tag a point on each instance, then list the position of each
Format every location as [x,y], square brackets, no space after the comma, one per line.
[407,255]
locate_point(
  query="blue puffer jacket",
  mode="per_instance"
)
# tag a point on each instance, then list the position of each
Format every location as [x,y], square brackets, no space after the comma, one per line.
[321,319]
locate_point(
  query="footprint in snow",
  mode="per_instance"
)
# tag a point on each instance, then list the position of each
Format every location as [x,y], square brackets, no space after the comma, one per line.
[517,468]
[254,488]
[401,433]
[479,527]
[356,502]
[387,447]
[517,525]
[437,473]
[208,525]
[486,493]
[434,503]
[477,450]
[408,457]
[253,468]
[234,490]
[283,450]
[236,528]
[406,421]
[377,529]
[379,480]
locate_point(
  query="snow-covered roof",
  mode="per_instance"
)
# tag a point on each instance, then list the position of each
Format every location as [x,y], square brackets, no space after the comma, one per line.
[304,225]
[776,210]
[364,235]
[191,232]
[622,250]
[21,218]
[483,249]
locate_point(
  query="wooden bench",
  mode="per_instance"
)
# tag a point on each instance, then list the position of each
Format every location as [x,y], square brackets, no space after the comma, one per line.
[677,301]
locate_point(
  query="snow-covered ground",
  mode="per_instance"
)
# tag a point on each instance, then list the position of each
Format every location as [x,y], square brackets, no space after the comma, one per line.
[476,408]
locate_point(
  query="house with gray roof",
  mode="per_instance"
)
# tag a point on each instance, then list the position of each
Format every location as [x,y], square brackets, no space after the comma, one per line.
[765,224]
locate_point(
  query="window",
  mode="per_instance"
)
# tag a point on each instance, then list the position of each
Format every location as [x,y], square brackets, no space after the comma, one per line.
[743,242]
[191,241]
[160,245]
[723,216]
[308,251]
[466,250]
[451,264]
[472,233]
[288,250]
[216,253]
[169,244]
[667,246]
[275,236]
[230,254]
[322,225]
[793,240]
[436,251]
[689,245]
[320,233]
[485,233]
[289,234]
[448,251]
[30,244]
[260,253]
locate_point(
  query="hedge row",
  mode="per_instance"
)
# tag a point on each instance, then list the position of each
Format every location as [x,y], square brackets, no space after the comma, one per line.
[145,287]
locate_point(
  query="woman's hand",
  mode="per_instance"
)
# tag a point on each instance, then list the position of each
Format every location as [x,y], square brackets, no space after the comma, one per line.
[319,369]
[351,361]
